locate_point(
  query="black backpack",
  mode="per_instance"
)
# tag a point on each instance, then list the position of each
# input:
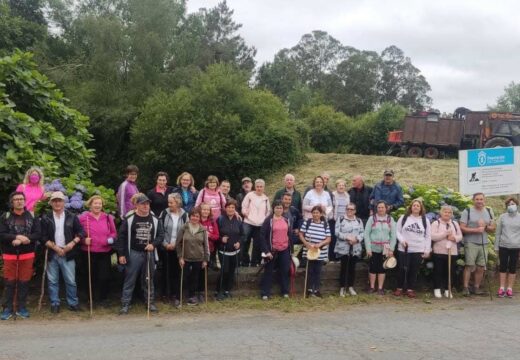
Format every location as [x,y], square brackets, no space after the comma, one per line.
[423,218]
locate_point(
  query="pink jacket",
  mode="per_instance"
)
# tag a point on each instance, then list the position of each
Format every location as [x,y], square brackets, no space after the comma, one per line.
[99,230]
[33,194]
[440,235]
[215,199]
[255,208]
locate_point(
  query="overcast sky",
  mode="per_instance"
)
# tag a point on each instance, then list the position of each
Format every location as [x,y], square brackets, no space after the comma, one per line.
[467,50]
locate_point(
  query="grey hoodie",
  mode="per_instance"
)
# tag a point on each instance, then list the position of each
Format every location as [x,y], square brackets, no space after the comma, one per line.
[508,231]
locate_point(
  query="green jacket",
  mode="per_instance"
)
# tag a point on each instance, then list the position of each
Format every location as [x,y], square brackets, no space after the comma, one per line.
[376,235]
[296,198]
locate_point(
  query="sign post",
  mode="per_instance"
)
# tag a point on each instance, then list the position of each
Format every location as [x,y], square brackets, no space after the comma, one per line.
[493,171]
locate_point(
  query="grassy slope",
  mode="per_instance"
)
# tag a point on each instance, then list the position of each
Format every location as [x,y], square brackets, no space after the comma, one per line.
[408,171]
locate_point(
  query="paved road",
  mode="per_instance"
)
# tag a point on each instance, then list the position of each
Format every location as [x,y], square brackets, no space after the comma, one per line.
[461,329]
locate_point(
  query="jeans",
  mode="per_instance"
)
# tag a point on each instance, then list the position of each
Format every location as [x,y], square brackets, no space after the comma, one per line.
[251,231]
[136,263]
[314,275]
[55,265]
[228,264]
[282,261]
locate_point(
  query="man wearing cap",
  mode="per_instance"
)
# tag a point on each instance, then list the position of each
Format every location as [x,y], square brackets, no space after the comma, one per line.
[139,235]
[247,186]
[289,188]
[62,233]
[19,231]
[389,191]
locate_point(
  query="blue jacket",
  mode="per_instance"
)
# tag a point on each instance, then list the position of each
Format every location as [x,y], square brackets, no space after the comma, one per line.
[391,194]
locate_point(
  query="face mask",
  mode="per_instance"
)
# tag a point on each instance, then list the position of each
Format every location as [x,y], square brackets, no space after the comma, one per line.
[512,208]
[34,179]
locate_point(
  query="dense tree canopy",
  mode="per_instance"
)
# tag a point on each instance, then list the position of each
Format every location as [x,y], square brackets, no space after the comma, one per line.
[509,101]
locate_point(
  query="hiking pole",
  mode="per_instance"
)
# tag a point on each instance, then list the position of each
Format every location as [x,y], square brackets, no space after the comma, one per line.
[485,267]
[44,274]
[222,265]
[89,269]
[17,273]
[149,285]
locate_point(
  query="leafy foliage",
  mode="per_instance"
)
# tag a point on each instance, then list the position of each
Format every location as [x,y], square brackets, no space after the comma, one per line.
[37,127]
[216,125]
[22,25]
[509,101]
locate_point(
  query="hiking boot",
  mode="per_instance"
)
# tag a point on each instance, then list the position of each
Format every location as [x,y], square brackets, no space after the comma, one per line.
[466,292]
[220,297]
[447,294]
[74,308]
[509,293]
[124,309]
[6,314]
[192,301]
[342,292]
[398,292]
[55,309]
[23,313]
[381,292]
[317,294]
[501,293]
[437,293]
[153,308]
[411,294]
[228,295]
[371,291]
[351,291]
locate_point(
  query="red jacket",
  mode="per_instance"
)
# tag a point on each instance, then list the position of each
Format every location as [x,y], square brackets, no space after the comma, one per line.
[212,229]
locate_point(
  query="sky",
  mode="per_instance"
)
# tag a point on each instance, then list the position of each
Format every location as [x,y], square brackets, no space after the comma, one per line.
[468,50]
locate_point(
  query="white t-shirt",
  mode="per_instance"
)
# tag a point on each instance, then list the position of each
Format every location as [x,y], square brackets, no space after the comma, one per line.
[59,233]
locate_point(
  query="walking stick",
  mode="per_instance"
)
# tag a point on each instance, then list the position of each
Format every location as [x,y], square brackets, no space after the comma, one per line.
[149,285]
[449,272]
[89,269]
[44,274]
[306,273]
[15,297]
[182,274]
[206,283]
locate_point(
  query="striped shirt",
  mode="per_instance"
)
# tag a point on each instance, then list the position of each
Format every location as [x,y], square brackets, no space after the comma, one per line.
[316,233]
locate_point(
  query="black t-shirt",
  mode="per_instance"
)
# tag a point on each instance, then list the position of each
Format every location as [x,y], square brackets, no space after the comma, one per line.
[141,232]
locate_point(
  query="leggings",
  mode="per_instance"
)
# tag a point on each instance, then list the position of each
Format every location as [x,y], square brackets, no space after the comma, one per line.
[409,264]
[347,273]
[440,270]
[508,259]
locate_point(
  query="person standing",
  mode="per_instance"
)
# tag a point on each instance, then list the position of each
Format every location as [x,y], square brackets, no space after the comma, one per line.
[340,200]
[100,231]
[476,222]
[212,196]
[193,252]
[389,191]
[159,194]
[231,233]
[255,209]
[360,196]
[126,190]
[380,239]
[186,188]
[19,232]
[140,234]
[293,216]
[414,245]
[318,196]
[207,221]
[62,234]
[289,182]
[315,234]
[225,188]
[32,188]
[446,234]
[507,243]
[247,186]
[348,248]
[276,250]
[173,219]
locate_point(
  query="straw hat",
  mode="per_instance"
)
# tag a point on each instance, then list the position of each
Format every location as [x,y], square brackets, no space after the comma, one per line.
[390,263]
[313,254]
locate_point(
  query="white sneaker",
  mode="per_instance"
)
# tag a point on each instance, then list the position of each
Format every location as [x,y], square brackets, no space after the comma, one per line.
[351,291]
[448,295]
[342,292]
[437,293]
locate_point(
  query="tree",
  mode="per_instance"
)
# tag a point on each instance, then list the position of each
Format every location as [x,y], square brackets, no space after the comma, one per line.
[37,127]
[216,125]
[509,101]
[401,82]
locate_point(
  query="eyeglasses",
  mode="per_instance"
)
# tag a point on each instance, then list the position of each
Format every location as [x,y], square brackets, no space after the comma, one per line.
[18,199]
[350,209]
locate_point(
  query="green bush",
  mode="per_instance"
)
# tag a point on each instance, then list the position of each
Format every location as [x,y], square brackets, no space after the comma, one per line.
[216,125]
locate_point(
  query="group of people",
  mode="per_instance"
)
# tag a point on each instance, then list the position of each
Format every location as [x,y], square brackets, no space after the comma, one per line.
[186,230]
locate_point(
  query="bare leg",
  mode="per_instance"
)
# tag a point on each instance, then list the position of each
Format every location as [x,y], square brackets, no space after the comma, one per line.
[372,280]
[479,275]
[502,277]
[467,276]
[380,281]
[510,280]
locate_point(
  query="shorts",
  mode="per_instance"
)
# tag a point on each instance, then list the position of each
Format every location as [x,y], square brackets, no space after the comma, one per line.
[475,254]
[375,264]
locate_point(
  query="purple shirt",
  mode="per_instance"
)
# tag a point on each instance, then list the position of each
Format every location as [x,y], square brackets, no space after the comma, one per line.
[124,195]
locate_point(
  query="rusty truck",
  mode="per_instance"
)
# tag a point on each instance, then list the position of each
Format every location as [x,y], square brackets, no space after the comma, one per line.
[428,134]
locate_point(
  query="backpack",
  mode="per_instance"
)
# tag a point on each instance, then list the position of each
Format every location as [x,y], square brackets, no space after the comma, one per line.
[469,213]
[358,220]
[375,221]
[325,224]
[423,218]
